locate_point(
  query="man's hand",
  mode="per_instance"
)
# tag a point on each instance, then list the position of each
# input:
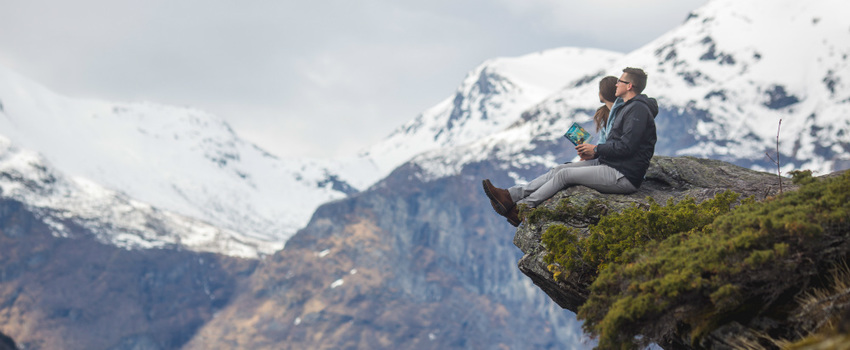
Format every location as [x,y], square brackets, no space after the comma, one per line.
[586,151]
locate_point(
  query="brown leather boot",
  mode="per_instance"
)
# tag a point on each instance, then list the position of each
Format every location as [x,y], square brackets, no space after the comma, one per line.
[513,216]
[500,199]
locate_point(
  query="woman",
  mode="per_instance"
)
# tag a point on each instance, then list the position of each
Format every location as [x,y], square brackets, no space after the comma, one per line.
[607,95]
[607,91]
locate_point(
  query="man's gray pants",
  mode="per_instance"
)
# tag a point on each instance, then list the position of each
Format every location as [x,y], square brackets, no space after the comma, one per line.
[589,173]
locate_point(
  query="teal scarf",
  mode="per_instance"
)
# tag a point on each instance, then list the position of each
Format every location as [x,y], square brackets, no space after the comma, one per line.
[603,134]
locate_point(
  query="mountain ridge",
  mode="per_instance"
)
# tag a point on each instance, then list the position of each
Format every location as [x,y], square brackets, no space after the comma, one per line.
[180,160]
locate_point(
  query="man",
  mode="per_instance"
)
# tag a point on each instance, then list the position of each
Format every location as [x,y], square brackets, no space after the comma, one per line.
[616,166]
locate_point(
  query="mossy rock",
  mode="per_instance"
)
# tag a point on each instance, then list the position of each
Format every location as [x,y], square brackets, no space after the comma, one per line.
[667,178]
[727,262]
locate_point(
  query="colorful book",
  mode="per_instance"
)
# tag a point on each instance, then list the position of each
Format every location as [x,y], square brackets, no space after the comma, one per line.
[577,135]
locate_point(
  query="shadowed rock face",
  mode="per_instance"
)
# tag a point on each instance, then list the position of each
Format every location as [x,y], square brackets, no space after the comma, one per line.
[7,343]
[76,293]
[667,177]
[407,264]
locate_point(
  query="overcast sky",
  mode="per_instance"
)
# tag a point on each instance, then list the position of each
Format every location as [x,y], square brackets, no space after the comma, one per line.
[315,78]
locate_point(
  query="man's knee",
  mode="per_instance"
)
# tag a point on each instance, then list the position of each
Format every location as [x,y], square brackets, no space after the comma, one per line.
[563,176]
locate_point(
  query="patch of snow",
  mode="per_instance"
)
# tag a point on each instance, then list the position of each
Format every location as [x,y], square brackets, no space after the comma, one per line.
[112,216]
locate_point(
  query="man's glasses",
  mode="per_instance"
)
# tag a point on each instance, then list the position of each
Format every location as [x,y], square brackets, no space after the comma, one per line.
[623,81]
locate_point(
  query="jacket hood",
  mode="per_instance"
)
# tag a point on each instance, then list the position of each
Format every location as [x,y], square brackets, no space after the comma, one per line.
[649,102]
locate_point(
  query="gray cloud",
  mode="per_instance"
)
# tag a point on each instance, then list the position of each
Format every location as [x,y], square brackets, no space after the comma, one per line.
[303,78]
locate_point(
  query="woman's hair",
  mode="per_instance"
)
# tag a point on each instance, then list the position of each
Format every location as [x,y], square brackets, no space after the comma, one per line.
[608,91]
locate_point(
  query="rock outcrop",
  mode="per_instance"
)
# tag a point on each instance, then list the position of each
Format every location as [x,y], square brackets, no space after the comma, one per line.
[667,178]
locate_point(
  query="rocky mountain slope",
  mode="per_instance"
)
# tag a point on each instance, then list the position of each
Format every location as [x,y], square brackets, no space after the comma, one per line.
[75,292]
[408,264]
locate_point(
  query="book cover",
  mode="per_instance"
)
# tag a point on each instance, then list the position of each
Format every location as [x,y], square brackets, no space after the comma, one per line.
[577,135]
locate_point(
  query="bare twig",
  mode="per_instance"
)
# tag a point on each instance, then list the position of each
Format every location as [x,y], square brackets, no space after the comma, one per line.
[778,168]
[776,161]
[769,157]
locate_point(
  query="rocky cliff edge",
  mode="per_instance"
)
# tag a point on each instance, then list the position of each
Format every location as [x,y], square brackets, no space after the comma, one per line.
[768,315]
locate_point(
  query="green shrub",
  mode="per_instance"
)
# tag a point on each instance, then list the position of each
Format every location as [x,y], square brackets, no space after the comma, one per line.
[613,235]
[702,270]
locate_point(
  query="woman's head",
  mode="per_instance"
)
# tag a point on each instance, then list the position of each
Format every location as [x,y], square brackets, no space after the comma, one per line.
[608,89]
[607,93]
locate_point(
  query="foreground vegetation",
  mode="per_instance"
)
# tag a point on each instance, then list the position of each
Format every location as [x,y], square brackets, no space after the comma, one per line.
[689,268]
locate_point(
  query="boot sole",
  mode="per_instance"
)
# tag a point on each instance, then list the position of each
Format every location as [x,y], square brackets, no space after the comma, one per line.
[497,206]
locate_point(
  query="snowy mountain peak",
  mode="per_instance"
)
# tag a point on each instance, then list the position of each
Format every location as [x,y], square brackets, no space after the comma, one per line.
[745,66]
[175,159]
[722,41]
[66,203]
[491,98]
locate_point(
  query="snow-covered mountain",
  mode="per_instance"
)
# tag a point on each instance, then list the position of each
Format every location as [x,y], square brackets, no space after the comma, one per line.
[724,79]
[491,97]
[113,217]
[190,164]
[180,160]
[742,66]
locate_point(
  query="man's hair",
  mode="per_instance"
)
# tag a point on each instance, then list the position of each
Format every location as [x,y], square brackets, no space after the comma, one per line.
[637,77]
